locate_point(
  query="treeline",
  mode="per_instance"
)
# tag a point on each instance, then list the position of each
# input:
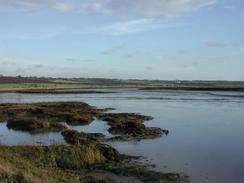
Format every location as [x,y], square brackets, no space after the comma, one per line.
[105,81]
[20,79]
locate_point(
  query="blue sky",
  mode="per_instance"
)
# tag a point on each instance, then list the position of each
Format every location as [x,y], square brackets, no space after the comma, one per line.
[143,39]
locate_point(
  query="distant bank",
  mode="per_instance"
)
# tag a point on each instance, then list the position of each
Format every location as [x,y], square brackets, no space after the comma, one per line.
[68,85]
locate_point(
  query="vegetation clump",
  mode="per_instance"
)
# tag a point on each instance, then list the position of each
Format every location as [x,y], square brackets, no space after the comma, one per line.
[113,118]
[12,178]
[130,126]
[39,116]
[2,117]
[145,174]
[34,125]
[75,138]
[80,138]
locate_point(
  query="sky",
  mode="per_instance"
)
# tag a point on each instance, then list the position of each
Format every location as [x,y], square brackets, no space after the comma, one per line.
[136,39]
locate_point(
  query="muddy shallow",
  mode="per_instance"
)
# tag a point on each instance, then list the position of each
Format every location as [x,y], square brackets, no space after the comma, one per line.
[206,129]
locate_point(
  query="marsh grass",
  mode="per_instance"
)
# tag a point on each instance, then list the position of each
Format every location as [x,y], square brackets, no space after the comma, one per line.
[144,173]
[46,116]
[28,164]
[65,164]
[56,163]
[64,84]
[34,125]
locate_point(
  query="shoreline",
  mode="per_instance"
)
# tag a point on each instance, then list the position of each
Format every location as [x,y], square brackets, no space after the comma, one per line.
[96,90]
[237,89]
[67,85]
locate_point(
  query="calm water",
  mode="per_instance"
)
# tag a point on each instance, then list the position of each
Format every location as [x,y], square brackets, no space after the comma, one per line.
[206,129]
[13,137]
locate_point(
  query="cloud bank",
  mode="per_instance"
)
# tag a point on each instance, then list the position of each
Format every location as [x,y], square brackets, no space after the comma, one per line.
[138,15]
[34,5]
[145,8]
[140,8]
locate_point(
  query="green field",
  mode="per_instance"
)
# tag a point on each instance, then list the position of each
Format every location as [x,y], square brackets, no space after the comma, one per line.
[32,87]
[22,84]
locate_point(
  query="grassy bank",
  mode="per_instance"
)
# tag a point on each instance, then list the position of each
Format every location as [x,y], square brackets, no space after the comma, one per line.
[86,160]
[45,164]
[65,164]
[71,88]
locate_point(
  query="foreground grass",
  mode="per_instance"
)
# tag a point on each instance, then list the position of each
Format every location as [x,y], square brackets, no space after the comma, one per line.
[52,164]
[44,164]
[73,163]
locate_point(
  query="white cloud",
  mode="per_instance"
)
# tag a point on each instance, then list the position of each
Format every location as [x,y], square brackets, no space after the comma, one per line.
[34,34]
[139,15]
[127,27]
[145,8]
[139,8]
[63,7]
[32,5]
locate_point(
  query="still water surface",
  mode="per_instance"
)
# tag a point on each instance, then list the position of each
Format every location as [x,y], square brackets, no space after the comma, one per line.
[206,129]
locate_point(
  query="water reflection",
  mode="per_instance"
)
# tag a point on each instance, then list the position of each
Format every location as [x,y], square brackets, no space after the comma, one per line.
[17,137]
[12,137]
